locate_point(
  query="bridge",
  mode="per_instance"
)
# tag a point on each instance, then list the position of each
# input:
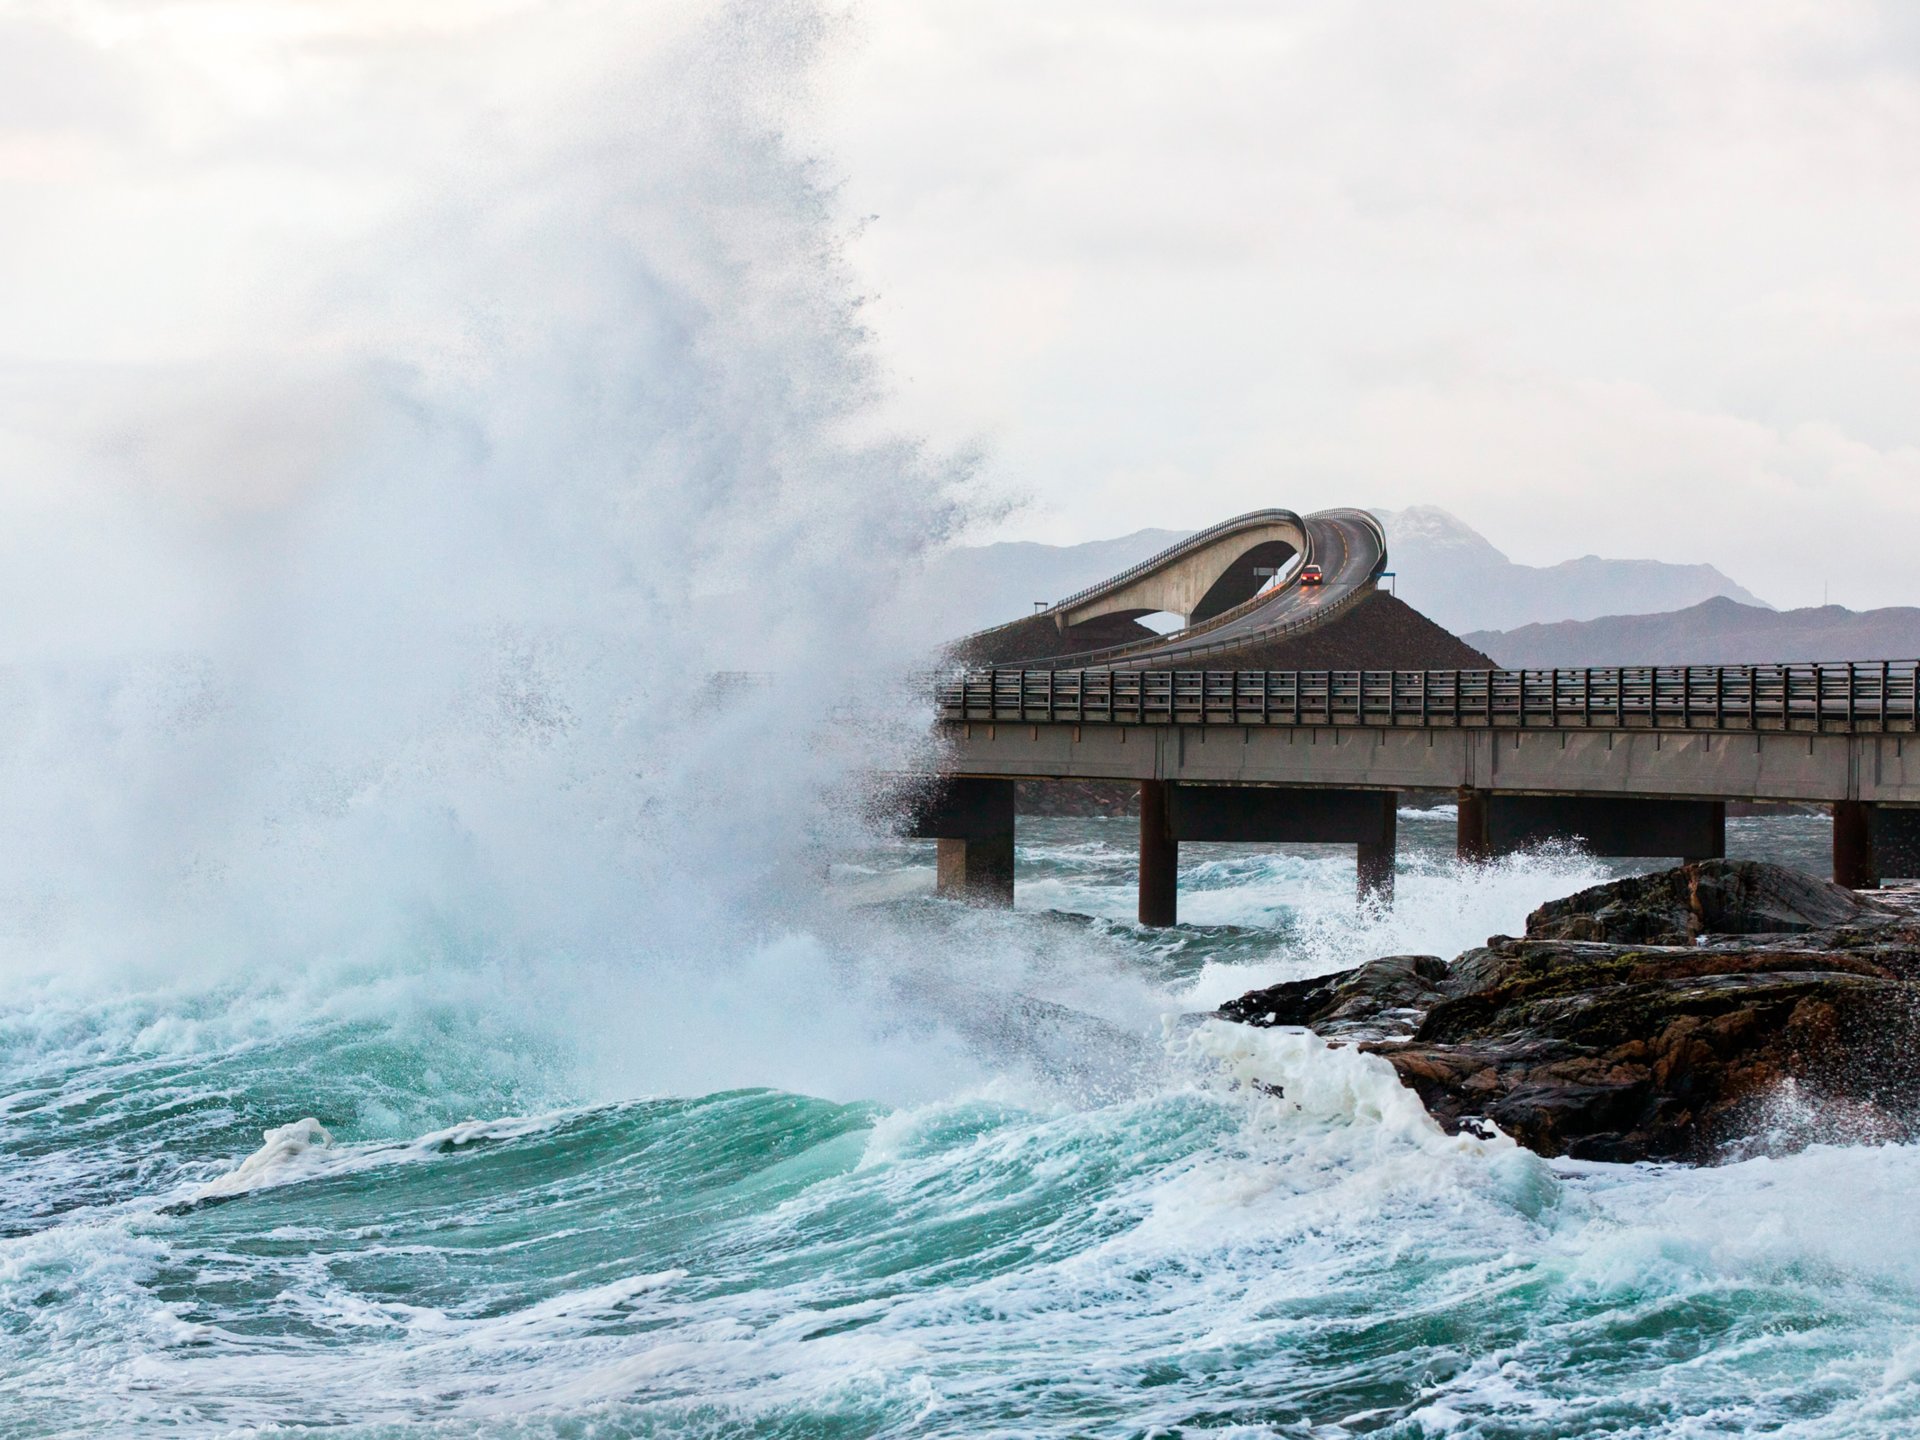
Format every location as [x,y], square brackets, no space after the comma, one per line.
[1632,761]
[1233,585]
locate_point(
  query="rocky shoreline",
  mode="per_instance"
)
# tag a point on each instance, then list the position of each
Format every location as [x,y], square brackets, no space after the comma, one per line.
[1719,1009]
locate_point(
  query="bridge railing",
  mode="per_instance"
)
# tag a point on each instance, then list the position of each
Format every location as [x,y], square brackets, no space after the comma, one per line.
[1877,697]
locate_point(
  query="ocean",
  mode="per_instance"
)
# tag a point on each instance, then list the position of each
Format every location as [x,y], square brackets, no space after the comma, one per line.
[1024,1197]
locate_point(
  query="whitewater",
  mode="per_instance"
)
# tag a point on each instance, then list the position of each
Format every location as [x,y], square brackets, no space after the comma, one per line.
[452,982]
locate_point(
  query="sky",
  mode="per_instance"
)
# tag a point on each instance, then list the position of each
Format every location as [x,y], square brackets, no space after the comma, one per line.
[1634,279]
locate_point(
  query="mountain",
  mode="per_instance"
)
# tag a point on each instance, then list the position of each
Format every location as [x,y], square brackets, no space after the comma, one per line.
[1442,567]
[1715,632]
[1449,571]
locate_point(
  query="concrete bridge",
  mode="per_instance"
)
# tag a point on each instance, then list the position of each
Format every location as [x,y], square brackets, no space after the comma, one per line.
[1217,582]
[1628,762]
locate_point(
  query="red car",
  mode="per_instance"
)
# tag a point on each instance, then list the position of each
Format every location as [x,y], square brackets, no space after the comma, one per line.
[1310,575]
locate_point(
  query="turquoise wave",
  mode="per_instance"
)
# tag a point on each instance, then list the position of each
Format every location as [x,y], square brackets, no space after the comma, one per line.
[1158,1248]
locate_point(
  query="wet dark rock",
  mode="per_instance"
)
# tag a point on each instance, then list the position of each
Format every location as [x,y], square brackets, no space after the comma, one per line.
[1670,1017]
[1381,998]
[1712,897]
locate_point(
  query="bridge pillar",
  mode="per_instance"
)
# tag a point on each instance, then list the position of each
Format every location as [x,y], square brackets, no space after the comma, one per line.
[979,872]
[1896,842]
[1159,856]
[1472,842]
[1377,857]
[972,818]
[1853,858]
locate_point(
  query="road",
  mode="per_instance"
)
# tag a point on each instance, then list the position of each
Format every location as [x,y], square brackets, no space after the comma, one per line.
[1348,546]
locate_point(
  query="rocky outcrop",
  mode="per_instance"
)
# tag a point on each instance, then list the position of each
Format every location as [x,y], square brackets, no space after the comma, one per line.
[1678,907]
[1712,1009]
[1381,999]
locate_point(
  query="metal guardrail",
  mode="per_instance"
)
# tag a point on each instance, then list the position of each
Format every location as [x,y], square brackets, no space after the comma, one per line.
[1876,697]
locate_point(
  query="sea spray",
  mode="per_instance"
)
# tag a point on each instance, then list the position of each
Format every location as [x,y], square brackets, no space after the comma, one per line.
[381,655]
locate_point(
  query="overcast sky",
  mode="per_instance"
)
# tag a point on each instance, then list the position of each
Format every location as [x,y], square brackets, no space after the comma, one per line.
[1640,279]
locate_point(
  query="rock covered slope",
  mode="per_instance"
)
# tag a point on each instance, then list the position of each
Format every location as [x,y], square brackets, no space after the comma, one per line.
[1709,1010]
[1379,632]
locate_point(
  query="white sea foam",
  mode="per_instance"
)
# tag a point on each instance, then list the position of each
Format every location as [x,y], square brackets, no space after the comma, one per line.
[1296,1072]
[287,1153]
[305,1150]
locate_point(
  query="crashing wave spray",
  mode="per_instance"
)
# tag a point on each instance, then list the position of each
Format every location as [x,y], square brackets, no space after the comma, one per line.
[394,628]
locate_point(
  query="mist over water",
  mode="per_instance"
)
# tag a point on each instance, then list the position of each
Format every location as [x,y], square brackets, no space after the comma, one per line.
[444,984]
[399,636]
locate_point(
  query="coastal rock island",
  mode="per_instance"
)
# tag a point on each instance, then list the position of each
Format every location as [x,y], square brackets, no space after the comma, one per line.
[1718,1009]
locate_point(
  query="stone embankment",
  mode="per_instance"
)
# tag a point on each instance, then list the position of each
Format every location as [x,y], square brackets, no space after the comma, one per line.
[1719,1009]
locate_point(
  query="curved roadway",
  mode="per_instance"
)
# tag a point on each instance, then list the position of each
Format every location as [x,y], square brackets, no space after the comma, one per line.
[1348,545]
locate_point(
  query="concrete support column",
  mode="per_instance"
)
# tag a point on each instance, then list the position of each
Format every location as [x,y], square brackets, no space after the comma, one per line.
[1159,857]
[1896,842]
[1716,846]
[1472,840]
[979,872]
[972,818]
[1853,863]
[1377,857]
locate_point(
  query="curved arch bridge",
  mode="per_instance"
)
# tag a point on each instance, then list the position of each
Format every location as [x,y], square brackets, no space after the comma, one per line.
[1232,585]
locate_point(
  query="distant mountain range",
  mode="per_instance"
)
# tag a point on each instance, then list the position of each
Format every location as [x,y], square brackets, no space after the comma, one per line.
[1716,632]
[1442,567]
[1453,574]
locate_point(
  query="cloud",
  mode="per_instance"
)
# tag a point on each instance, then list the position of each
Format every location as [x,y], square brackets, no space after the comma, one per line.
[1165,264]
[1530,263]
